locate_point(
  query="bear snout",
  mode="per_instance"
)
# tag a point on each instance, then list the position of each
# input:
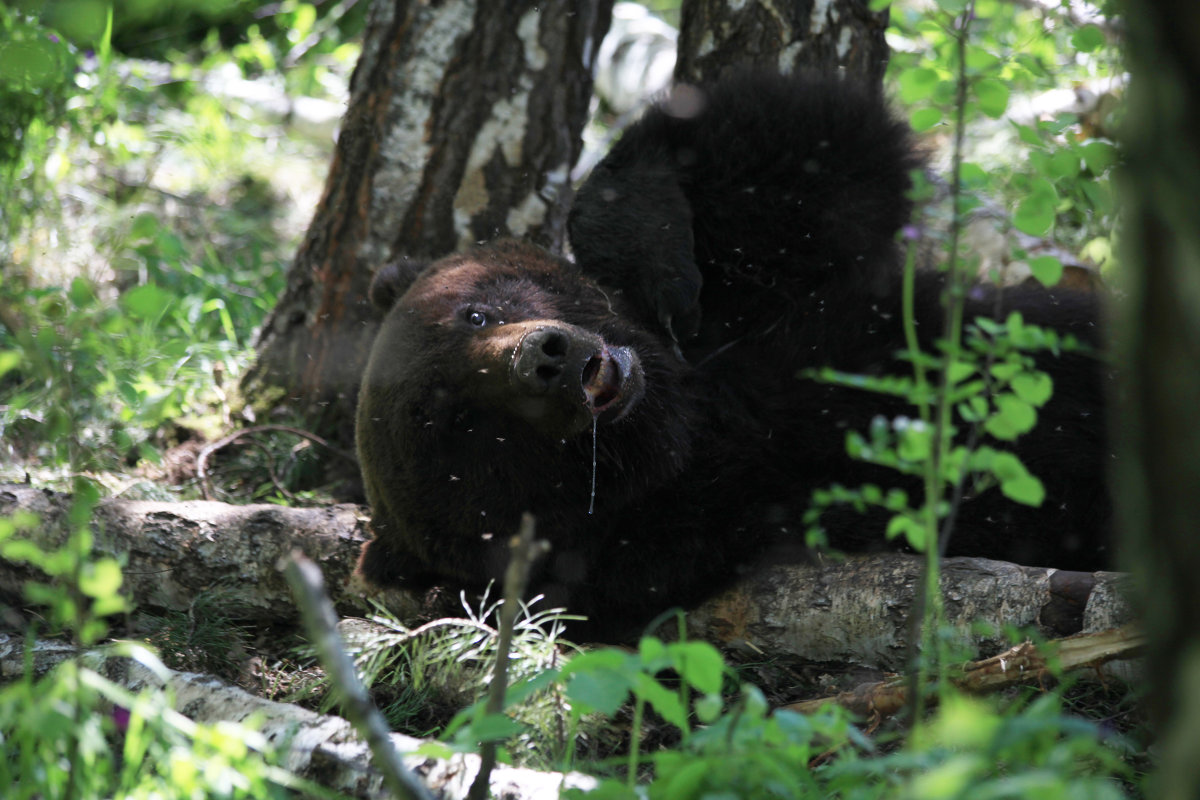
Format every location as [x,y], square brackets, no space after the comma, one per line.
[578,370]
[544,355]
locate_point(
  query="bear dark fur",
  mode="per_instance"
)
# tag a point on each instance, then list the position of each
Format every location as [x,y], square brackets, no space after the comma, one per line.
[730,241]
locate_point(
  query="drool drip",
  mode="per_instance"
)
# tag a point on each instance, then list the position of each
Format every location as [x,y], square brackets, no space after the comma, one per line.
[592,502]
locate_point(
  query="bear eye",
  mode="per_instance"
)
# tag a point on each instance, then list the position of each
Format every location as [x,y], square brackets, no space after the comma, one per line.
[478,318]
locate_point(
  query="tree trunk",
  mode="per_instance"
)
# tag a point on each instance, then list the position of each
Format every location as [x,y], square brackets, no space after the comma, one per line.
[1159,473]
[828,35]
[463,122]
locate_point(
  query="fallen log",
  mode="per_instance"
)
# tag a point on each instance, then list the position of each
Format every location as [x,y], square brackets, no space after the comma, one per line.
[173,552]
[857,610]
[322,748]
[846,611]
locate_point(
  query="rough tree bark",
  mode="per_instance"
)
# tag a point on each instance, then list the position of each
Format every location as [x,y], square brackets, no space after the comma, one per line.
[1159,474]
[463,122]
[716,35]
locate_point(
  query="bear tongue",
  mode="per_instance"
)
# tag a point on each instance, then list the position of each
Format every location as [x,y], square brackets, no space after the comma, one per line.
[601,380]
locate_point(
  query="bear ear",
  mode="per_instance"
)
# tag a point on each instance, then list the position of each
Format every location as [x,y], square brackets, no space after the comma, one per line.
[392,280]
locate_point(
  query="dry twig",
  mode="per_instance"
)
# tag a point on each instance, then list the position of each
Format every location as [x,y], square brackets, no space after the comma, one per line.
[321,623]
[524,551]
[1019,664]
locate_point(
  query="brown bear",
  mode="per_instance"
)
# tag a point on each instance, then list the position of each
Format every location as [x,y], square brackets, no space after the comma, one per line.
[652,403]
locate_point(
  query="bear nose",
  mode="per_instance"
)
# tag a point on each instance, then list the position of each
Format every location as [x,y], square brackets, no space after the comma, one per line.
[541,359]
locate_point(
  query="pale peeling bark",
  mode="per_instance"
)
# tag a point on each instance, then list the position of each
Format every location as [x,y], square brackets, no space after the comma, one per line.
[854,611]
[824,35]
[857,611]
[173,552]
[321,748]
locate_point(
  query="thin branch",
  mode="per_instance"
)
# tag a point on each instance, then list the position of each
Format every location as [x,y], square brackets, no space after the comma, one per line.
[307,585]
[1020,664]
[524,551]
[929,600]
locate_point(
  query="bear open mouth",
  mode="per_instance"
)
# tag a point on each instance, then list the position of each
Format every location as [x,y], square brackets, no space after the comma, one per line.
[611,382]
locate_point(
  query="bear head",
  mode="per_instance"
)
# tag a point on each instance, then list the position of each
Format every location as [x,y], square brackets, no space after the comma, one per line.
[503,381]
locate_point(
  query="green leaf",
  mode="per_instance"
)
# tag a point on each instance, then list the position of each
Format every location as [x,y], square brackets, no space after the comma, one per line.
[685,784]
[170,247]
[102,579]
[1047,269]
[145,226]
[700,664]
[10,360]
[29,64]
[979,59]
[146,301]
[1006,370]
[1013,417]
[1099,194]
[653,654]
[430,749]
[912,530]
[895,500]
[992,96]
[1033,64]
[491,728]
[1016,482]
[1098,251]
[708,708]
[960,371]
[915,442]
[1034,388]
[82,21]
[607,789]
[972,174]
[522,689]
[81,294]
[22,551]
[1014,325]
[599,681]
[1098,155]
[598,691]
[952,6]
[1028,135]
[1088,39]
[1035,213]
[924,118]
[663,700]
[128,393]
[111,604]
[1063,164]
[969,410]
[917,83]
[856,446]
[965,391]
